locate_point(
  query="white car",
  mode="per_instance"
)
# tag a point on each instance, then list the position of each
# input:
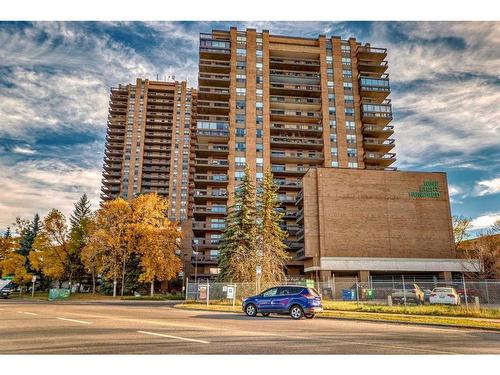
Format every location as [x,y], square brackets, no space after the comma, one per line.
[444,296]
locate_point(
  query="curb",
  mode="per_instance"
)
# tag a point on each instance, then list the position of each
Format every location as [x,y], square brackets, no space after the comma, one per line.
[381,321]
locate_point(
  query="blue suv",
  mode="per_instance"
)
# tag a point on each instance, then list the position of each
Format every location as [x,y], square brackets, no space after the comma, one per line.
[298,301]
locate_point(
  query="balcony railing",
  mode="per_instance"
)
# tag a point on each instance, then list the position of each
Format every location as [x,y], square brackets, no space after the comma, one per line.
[280,169]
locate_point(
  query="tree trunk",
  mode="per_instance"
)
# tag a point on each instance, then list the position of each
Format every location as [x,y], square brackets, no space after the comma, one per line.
[152,287]
[114,285]
[93,281]
[123,277]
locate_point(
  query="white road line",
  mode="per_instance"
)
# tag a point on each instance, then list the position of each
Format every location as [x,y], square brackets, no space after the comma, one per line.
[75,321]
[174,337]
[29,313]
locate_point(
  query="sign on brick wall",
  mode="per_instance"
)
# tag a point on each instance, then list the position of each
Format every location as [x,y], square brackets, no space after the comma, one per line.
[429,189]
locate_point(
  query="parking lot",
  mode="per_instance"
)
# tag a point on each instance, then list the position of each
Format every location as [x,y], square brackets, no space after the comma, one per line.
[159,328]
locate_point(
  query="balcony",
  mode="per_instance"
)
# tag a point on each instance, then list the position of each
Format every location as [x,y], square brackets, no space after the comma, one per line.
[294,102]
[379,158]
[213,93]
[286,199]
[306,128]
[300,215]
[368,53]
[204,226]
[374,88]
[211,164]
[215,66]
[206,179]
[288,184]
[211,149]
[297,157]
[299,198]
[378,131]
[205,259]
[294,64]
[296,116]
[297,171]
[372,66]
[201,243]
[203,195]
[213,107]
[378,144]
[214,49]
[297,142]
[378,114]
[311,91]
[203,210]
[213,80]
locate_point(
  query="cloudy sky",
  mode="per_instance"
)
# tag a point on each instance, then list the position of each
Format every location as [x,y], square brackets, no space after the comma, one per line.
[55,80]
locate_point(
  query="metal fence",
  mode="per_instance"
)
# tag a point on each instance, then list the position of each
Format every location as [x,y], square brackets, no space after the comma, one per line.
[374,291]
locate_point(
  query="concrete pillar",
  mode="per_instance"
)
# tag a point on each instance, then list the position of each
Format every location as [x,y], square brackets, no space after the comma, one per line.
[364,276]
[446,275]
[325,276]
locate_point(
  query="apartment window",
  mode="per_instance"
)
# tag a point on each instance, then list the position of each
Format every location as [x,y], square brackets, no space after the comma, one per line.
[329,59]
[241,78]
[259,53]
[331,110]
[259,79]
[352,164]
[350,125]
[258,66]
[240,146]
[240,118]
[329,71]
[331,97]
[333,137]
[348,99]
[330,83]
[214,270]
[258,41]
[241,52]
[351,138]
[335,163]
[259,120]
[240,104]
[351,152]
[333,123]
[349,111]
[348,85]
[334,151]
[241,65]
[241,91]
[259,147]
[259,92]
[259,176]
[345,48]
[259,133]
[346,61]
[241,39]
[258,105]
[347,73]
[240,161]
[238,175]
[259,162]
[240,132]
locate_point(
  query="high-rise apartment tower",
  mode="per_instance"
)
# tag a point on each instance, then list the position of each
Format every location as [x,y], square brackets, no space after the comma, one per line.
[149,143]
[288,104]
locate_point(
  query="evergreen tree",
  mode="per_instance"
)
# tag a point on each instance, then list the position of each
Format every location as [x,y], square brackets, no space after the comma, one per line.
[80,221]
[272,249]
[238,253]
[7,234]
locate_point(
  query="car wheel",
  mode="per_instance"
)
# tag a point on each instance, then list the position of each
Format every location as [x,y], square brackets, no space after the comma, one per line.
[296,312]
[309,316]
[250,309]
[265,314]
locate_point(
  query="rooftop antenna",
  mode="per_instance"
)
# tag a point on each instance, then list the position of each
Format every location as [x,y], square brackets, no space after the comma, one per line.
[157,76]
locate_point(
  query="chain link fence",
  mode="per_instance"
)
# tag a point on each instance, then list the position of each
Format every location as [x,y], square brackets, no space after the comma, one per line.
[376,291]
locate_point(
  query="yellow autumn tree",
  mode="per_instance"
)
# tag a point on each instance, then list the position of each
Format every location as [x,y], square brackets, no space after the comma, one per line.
[14,265]
[155,238]
[51,252]
[108,248]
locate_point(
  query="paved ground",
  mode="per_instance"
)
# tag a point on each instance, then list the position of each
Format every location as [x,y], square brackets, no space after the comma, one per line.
[158,328]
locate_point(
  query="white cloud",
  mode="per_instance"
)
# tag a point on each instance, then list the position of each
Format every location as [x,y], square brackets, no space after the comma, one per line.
[23,150]
[488,187]
[38,186]
[484,221]
[454,190]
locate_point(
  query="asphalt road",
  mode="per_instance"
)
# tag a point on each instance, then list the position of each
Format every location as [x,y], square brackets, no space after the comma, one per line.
[158,328]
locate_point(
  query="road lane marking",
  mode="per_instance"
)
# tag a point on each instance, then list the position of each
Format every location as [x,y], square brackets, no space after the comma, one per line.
[29,313]
[75,321]
[174,337]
